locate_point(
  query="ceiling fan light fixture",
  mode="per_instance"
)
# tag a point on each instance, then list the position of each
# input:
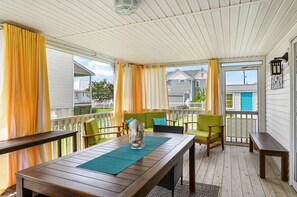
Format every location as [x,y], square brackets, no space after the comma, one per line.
[126,7]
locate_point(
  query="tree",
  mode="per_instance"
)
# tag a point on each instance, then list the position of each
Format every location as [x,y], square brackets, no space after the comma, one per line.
[102,91]
[200,95]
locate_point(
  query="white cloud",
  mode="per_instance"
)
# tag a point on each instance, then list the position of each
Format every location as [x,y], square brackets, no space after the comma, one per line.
[101,70]
[93,63]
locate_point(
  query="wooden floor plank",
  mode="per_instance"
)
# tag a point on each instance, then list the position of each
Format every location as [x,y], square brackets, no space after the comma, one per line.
[226,182]
[247,189]
[209,174]
[236,171]
[236,187]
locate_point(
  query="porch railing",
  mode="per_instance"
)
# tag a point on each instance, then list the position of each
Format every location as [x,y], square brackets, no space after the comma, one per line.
[76,123]
[239,124]
[185,115]
[82,97]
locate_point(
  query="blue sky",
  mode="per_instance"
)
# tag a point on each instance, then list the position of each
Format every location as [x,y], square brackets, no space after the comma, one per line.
[236,77]
[105,71]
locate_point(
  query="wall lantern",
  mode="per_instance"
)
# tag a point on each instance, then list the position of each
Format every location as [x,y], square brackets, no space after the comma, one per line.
[277,71]
[276,67]
[276,64]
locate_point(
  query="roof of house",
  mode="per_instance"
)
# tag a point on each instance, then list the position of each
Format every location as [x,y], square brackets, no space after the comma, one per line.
[81,71]
[241,88]
[191,74]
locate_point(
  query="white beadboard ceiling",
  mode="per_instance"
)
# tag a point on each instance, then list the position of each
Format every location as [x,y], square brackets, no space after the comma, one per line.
[162,31]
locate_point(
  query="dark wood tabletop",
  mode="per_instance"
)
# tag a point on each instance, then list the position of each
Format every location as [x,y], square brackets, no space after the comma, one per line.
[60,177]
[15,144]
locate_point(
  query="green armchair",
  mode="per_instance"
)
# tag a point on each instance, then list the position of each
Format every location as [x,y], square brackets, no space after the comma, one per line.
[209,130]
[94,135]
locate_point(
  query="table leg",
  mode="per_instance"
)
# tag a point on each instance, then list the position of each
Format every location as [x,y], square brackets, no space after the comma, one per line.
[59,148]
[192,167]
[262,165]
[251,145]
[20,190]
[285,159]
[74,143]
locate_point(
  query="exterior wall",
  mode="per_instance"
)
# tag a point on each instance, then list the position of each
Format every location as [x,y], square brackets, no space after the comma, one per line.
[0,57]
[178,88]
[202,85]
[237,101]
[81,84]
[175,98]
[60,76]
[278,101]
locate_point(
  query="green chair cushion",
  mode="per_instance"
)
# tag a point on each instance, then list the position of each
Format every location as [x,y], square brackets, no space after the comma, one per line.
[91,128]
[205,120]
[149,118]
[138,116]
[151,129]
[202,135]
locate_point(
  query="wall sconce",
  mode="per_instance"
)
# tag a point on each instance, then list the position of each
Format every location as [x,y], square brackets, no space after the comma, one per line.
[276,67]
[277,71]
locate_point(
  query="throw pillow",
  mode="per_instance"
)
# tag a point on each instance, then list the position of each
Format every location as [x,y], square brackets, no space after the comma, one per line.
[129,120]
[160,121]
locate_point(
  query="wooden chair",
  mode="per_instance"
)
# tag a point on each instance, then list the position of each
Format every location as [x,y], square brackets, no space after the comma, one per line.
[176,172]
[209,130]
[92,134]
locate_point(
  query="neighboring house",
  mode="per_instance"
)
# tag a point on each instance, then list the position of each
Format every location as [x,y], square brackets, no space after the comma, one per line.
[82,98]
[81,84]
[182,85]
[60,77]
[241,97]
[61,72]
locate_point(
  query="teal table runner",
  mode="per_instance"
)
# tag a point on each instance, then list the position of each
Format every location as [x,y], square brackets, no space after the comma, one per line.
[117,160]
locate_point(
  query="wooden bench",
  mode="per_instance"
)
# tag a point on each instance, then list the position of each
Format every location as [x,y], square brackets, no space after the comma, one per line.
[268,146]
[15,144]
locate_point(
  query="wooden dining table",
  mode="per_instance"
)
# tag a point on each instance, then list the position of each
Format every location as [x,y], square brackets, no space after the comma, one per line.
[61,177]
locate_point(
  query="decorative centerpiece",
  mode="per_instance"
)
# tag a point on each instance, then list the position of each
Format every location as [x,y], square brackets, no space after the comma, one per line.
[136,134]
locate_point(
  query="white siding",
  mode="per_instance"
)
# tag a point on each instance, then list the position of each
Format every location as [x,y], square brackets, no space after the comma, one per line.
[0,58]
[278,101]
[60,74]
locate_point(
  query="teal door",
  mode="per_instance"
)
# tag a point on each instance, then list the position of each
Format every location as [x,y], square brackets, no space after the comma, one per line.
[246,101]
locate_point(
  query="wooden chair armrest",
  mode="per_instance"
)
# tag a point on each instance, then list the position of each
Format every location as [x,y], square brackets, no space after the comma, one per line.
[190,123]
[216,125]
[125,127]
[210,128]
[173,121]
[110,127]
[95,134]
[186,125]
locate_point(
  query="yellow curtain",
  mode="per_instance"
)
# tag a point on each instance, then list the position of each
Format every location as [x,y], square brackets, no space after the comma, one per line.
[212,86]
[24,101]
[139,88]
[132,88]
[136,83]
[118,98]
[155,88]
